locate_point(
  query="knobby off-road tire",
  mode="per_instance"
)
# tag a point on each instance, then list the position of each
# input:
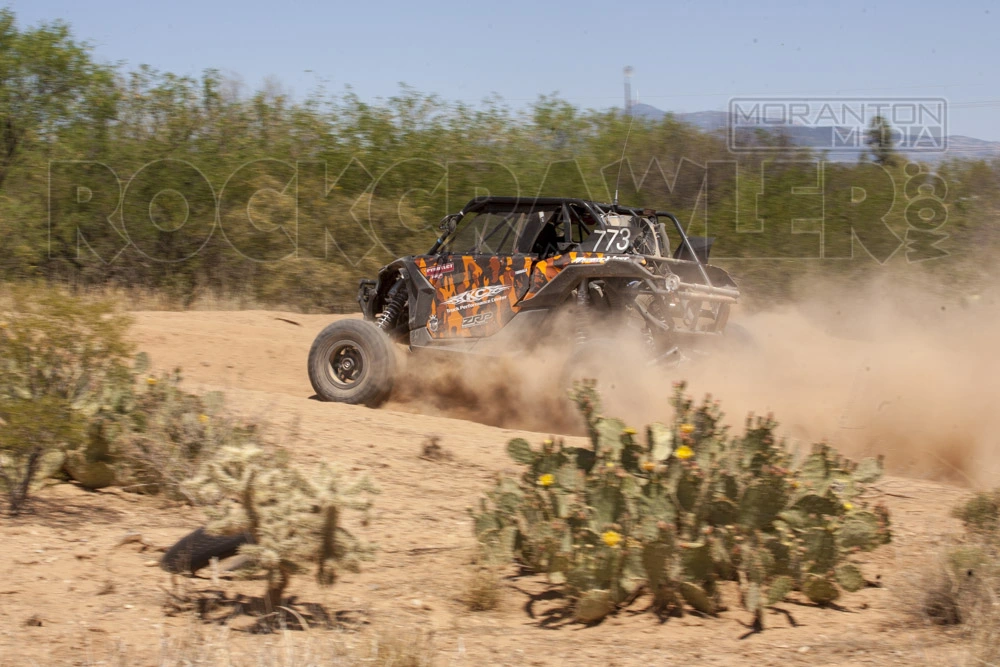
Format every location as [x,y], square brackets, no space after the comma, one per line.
[352,361]
[196,550]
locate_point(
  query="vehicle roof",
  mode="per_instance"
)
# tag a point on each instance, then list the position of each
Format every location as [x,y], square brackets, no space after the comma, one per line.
[479,203]
[482,202]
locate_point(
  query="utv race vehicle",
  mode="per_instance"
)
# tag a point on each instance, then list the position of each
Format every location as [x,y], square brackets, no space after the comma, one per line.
[501,270]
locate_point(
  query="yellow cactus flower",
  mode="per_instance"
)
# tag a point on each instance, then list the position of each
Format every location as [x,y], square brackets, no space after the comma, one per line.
[684,452]
[611,538]
[548,479]
[203,419]
[648,466]
[687,429]
[629,431]
[609,464]
[150,381]
[848,506]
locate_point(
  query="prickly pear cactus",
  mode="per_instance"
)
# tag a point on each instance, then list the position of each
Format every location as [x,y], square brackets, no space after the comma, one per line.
[148,434]
[90,463]
[679,509]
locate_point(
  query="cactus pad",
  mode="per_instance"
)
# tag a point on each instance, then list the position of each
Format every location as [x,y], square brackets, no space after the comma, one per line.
[819,589]
[593,606]
[698,598]
[849,577]
[519,450]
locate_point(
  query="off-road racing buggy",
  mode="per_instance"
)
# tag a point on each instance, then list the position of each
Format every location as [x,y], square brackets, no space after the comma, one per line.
[503,268]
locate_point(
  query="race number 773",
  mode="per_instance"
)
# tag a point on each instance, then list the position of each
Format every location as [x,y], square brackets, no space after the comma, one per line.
[613,240]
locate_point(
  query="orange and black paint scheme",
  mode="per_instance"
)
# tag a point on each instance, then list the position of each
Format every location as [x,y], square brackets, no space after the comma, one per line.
[477,295]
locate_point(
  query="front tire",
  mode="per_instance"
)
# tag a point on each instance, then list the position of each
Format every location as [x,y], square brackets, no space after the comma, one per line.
[352,361]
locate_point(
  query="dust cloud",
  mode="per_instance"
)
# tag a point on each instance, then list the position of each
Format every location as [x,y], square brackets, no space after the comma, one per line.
[890,369]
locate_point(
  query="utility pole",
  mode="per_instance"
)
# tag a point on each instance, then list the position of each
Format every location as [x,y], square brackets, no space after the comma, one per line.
[628,90]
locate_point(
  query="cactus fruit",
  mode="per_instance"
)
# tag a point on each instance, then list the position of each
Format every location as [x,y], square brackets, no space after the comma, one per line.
[679,510]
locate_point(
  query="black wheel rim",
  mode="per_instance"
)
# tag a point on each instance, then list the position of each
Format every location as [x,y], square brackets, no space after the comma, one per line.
[348,364]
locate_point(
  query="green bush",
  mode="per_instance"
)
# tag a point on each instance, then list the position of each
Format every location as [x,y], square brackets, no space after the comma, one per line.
[57,354]
[147,435]
[681,509]
[164,434]
[312,194]
[980,513]
[71,401]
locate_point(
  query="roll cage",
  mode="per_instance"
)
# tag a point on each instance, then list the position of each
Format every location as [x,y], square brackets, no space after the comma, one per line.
[547,226]
[502,263]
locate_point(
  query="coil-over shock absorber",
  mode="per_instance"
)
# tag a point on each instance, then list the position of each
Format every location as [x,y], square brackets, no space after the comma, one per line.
[394,302]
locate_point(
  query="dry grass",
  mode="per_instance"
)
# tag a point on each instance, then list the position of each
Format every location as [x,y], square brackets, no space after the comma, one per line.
[136,298]
[201,644]
[408,649]
[976,588]
[139,299]
[960,587]
[484,590]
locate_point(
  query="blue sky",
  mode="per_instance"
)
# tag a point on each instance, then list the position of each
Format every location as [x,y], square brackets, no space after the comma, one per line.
[688,56]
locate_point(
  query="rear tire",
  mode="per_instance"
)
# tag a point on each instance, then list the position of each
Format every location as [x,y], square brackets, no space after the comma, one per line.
[352,361]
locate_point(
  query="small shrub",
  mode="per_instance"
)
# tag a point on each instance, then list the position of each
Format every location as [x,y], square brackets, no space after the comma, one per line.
[980,513]
[680,510]
[166,434]
[30,432]
[963,588]
[294,520]
[57,353]
[484,590]
[396,649]
[70,401]
[146,434]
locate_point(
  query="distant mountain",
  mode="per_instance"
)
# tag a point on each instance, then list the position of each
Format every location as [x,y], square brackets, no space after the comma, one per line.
[958,146]
[970,147]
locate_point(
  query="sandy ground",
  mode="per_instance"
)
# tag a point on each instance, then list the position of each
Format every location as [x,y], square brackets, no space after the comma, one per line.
[72,593]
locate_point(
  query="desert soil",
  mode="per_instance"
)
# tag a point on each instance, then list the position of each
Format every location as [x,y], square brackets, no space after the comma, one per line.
[79,582]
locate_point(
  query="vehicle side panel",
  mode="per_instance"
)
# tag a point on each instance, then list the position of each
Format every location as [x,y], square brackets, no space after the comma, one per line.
[545,270]
[474,295]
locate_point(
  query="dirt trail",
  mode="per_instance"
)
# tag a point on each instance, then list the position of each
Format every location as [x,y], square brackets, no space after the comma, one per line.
[96,601]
